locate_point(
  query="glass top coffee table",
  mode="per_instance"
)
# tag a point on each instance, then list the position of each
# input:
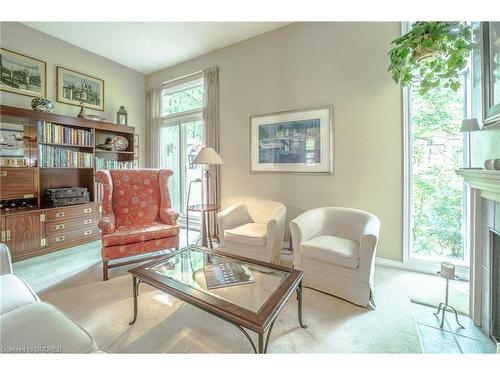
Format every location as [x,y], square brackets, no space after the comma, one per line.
[254,305]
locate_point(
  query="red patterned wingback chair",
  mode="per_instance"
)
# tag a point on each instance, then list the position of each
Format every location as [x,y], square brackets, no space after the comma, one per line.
[137,217]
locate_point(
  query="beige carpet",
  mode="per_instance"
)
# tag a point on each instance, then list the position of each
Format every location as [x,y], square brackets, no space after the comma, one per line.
[168,325]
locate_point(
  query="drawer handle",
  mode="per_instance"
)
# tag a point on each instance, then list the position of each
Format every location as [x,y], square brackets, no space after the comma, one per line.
[8,235]
[60,238]
[59,214]
[87,232]
[60,226]
[3,236]
[87,210]
[3,173]
[88,221]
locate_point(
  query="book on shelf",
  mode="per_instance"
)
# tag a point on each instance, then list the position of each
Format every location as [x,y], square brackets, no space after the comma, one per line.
[227,274]
[54,133]
[101,164]
[57,157]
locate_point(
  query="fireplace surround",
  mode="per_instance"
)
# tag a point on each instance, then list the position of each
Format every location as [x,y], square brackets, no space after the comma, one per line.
[495,285]
[484,242]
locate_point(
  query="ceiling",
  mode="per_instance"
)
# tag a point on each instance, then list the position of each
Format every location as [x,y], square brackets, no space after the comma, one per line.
[151,46]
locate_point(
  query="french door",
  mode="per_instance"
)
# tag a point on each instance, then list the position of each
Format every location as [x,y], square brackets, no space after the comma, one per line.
[181,140]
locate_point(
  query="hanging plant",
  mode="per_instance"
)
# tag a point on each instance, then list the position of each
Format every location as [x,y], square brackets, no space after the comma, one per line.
[431,54]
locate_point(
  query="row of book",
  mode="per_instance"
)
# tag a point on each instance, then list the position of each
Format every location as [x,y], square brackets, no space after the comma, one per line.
[101,164]
[56,157]
[53,133]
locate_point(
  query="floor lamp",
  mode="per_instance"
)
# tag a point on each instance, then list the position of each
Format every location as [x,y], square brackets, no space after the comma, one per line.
[207,156]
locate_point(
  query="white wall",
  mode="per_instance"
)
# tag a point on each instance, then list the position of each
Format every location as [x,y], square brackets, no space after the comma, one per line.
[485,145]
[123,86]
[311,64]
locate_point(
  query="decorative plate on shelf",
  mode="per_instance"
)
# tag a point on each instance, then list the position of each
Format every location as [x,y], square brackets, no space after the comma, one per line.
[119,143]
[95,118]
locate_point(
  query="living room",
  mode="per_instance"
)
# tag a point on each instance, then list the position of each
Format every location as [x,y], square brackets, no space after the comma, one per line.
[306,185]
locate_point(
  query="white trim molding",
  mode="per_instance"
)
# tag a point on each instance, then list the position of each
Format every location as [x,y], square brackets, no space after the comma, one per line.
[422,266]
[488,181]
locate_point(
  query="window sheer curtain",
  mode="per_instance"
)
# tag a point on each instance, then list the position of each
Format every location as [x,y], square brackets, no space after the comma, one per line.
[210,114]
[153,125]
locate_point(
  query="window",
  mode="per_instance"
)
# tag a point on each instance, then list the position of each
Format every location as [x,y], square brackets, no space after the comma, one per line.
[181,139]
[183,98]
[436,198]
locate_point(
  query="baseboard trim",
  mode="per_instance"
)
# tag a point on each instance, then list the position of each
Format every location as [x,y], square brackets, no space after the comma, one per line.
[421,267]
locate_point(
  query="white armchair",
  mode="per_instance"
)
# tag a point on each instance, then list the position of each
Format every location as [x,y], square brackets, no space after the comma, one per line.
[253,229]
[335,247]
[28,325]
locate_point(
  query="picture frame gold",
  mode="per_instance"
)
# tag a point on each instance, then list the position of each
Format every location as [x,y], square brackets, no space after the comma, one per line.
[9,79]
[74,87]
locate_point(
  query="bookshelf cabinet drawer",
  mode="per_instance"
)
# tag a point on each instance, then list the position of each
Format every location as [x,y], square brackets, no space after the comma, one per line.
[78,234]
[82,211]
[65,225]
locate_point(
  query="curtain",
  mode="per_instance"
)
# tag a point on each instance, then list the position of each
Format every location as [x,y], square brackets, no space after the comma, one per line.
[153,126]
[210,115]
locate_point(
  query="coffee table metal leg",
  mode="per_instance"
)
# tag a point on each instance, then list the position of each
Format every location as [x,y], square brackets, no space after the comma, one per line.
[299,297]
[135,292]
[268,334]
[246,335]
[261,343]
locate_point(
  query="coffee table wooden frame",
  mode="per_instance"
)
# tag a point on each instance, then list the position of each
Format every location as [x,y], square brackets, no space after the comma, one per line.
[259,322]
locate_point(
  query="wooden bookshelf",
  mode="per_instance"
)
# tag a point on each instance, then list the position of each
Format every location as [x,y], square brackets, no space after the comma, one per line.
[114,152]
[65,145]
[32,180]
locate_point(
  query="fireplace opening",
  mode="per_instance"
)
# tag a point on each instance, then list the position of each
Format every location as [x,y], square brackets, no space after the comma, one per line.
[495,285]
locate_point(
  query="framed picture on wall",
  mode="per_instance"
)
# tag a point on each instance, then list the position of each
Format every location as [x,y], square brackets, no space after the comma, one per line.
[21,74]
[299,141]
[491,72]
[74,88]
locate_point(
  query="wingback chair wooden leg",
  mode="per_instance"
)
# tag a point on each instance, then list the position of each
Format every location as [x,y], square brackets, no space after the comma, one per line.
[105,270]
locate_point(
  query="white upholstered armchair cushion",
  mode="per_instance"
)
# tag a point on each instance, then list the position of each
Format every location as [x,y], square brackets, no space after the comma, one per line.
[335,246]
[253,228]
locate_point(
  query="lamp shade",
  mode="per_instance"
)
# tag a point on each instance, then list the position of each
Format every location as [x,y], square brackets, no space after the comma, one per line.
[469,125]
[207,156]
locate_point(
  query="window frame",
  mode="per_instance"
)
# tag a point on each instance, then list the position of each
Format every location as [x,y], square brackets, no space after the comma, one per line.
[178,87]
[431,266]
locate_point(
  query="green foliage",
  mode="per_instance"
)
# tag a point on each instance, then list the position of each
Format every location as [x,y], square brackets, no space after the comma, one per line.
[183,100]
[437,192]
[430,55]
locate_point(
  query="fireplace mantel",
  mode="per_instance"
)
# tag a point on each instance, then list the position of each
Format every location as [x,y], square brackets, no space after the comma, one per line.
[487,181]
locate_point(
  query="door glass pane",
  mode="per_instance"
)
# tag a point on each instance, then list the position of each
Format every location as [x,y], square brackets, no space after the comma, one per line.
[437,193]
[193,136]
[169,159]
